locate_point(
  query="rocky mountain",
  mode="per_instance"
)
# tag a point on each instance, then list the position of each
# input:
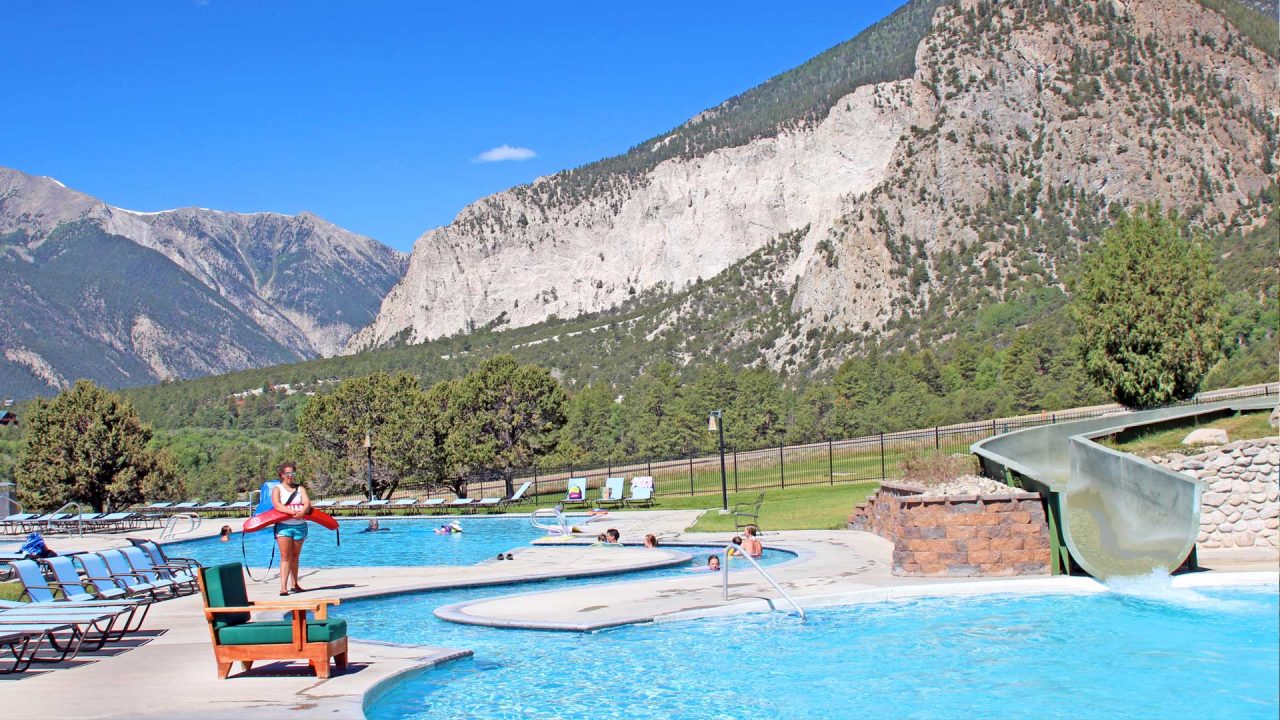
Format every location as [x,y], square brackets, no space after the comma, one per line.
[128,298]
[952,155]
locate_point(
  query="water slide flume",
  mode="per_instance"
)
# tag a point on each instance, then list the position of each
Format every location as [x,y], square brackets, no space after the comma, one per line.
[1114,514]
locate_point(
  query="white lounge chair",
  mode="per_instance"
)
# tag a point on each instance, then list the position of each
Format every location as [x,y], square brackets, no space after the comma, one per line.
[462,504]
[409,504]
[433,504]
[517,496]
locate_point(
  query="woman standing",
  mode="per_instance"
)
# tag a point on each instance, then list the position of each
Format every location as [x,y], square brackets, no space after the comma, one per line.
[291,498]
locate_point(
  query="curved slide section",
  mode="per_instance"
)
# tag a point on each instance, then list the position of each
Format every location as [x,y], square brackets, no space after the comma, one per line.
[1113,513]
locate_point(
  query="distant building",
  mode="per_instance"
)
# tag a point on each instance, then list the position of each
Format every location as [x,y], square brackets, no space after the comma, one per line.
[8,418]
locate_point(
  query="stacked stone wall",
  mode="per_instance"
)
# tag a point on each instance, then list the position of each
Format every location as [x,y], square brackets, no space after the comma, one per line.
[958,535]
[1241,502]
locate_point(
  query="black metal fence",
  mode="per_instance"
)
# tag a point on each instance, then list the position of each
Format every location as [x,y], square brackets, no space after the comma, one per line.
[872,458]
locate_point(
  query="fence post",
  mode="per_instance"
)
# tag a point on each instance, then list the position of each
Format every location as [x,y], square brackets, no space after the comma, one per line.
[537,487]
[648,464]
[782,467]
[831,464]
[937,444]
[882,464]
[690,475]
[735,469]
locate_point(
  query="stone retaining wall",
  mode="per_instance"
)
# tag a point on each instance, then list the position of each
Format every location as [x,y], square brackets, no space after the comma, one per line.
[1241,503]
[958,535]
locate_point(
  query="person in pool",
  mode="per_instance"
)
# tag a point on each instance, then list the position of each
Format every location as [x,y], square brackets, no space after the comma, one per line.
[453,528]
[374,527]
[713,562]
[291,498]
[751,544]
[224,535]
[651,540]
[612,536]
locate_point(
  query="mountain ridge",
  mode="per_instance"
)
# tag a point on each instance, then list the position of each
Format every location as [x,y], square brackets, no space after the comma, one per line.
[271,288]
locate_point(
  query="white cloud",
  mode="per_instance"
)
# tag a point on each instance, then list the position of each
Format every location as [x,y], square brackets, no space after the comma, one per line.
[505,152]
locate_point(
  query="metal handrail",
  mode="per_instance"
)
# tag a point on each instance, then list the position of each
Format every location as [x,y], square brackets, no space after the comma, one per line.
[48,524]
[562,526]
[171,525]
[735,551]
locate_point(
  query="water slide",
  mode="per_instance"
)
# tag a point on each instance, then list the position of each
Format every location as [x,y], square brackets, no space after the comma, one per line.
[1112,513]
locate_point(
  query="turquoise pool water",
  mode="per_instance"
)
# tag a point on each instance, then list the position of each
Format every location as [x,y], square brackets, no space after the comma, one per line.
[1198,655]
[408,542]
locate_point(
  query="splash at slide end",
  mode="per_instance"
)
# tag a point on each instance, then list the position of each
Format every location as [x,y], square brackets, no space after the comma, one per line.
[1112,513]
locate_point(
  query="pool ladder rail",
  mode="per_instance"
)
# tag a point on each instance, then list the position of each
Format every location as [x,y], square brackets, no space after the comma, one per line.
[732,551]
[171,525]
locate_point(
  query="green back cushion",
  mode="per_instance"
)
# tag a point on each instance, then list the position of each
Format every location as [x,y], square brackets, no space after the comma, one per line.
[224,587]
[279,632]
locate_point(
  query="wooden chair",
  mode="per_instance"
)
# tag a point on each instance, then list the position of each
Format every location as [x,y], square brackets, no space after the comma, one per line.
[237,639]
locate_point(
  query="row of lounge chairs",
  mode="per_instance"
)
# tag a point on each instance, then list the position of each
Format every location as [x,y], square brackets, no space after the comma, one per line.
[213,507]
[611,493]
[69,522]
[413,506]
[86,600]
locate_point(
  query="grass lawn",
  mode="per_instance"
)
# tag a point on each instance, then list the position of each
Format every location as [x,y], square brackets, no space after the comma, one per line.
[809,508]
[10,590]
[1241,426]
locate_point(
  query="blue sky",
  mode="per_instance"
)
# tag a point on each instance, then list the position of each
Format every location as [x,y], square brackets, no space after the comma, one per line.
[370,114]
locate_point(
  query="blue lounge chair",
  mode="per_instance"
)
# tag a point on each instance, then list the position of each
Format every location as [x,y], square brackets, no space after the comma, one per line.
[161,559]
[16,522]
[64,596]
[184,581]
[409,504]
[575,491]
[641,491]
[189,505]
[462,504]
[17,645]
[435,505]
[348,505]
[97,571]
[378,505]
[124,573]
[239,505]
[613,492]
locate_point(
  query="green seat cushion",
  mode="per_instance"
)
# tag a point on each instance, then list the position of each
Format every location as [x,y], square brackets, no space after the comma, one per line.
[279,632]
[224,587]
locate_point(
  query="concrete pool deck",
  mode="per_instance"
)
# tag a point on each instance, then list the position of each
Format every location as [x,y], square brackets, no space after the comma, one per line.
[167,670]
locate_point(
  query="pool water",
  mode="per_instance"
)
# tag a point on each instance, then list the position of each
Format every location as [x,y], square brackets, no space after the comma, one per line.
[407,542]
[1183,654]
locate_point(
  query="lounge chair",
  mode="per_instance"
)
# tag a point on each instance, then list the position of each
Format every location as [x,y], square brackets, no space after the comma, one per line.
[612,493]
[95,624]
[379,506]
[487,503]
[239,505]
[238,639]
[38,632]
[348,505]
[159,557]
[134,581]
[184,582]
[435,505]
[158,506]
[517,496]
[119,521]
[214,506]
[16,522]
[462,504]
[188,505]
[99,573]
[575,492]
[324,504]
[641,491]
[67,596]
[409,504]
[16,644]
[64,571]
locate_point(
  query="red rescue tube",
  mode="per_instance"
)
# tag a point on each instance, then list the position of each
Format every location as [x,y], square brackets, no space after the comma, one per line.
[271,517]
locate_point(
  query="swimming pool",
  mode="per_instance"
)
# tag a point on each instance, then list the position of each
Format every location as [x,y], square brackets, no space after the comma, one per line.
[1186,654]
[408,542]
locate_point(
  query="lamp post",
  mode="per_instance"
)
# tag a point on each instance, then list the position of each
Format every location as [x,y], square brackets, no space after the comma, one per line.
[368,448]
[716,423]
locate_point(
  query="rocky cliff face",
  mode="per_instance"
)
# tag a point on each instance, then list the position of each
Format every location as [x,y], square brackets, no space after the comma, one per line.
[1020,128]
[1033,113]
[172,294]
[514,255]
